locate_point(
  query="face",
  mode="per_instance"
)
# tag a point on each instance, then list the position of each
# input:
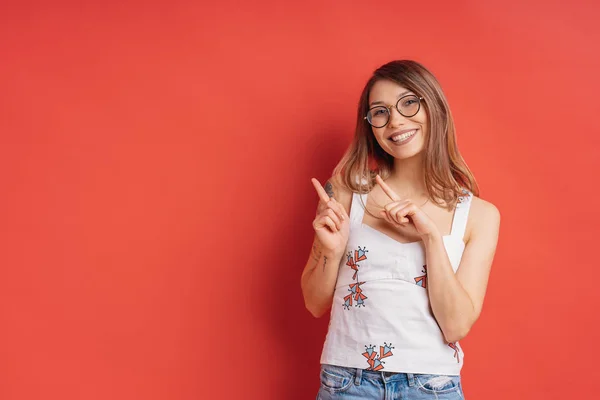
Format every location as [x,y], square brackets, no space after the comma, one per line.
[402,137]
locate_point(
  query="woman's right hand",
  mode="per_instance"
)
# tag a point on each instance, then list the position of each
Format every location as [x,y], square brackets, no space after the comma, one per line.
[332,223]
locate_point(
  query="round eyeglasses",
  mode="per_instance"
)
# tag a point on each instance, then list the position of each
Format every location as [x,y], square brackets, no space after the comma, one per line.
[407,106]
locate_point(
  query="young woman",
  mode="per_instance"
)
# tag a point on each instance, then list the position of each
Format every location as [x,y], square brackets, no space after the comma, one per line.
[403,247]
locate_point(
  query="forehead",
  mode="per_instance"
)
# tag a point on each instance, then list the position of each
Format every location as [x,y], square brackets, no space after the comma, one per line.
[387,92]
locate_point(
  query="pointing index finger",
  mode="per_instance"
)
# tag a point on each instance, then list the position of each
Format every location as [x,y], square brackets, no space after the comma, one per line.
[388,190]
[320,191]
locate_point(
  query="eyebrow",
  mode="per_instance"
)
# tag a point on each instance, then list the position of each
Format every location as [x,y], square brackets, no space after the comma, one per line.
[400,95]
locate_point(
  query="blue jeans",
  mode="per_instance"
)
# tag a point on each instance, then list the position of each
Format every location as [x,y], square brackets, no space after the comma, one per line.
[355,383]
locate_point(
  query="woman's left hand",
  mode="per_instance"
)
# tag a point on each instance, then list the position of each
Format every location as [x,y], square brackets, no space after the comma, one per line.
[405,215]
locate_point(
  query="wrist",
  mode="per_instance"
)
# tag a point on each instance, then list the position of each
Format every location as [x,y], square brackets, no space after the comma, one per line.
[332,253]
[432,238]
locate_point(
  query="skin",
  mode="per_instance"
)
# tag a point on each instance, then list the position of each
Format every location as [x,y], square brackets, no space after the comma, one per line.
[332,228]
[405,213]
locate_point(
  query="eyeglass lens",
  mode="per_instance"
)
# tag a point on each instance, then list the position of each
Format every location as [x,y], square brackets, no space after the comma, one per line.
[379,116]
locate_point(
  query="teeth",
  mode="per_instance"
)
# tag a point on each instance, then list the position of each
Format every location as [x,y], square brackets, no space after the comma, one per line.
[404,136]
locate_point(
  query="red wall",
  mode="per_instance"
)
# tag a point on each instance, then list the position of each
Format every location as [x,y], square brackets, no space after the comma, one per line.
[156,201]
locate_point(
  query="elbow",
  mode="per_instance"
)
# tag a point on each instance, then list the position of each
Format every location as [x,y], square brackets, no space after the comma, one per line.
[317,314]
[315,310]
[460,327]
[457,332]
[317,306]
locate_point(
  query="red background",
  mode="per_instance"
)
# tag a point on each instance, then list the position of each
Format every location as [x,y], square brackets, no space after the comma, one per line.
[156,202]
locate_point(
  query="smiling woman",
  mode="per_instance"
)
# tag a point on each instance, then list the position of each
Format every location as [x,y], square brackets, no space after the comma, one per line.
[403,247]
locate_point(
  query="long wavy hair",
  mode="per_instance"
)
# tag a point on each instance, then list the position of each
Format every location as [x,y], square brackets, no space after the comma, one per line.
[446,173]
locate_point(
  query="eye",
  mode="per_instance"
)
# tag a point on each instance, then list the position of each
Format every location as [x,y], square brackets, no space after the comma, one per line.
[377,112]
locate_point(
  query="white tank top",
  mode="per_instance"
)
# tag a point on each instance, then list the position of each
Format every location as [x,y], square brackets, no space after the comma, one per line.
[380,317]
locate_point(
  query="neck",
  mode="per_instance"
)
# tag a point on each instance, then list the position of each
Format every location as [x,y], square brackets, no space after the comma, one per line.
[407,178]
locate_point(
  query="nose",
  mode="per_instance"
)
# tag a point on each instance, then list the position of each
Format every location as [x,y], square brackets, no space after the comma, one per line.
[396,119]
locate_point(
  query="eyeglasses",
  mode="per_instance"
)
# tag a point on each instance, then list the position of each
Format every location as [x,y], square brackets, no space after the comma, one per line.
[407,106]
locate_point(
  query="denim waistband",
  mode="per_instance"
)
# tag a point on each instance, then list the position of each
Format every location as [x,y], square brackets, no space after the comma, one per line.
[358,374]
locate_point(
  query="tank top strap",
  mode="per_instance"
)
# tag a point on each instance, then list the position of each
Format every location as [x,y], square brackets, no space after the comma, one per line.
[461,214]
[357,209]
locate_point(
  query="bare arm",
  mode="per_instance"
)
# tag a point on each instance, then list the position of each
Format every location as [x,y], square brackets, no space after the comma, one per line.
[319,278]
[457,299]
[331,235]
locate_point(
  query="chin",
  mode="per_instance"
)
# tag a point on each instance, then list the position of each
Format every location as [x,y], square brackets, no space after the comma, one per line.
[407,156]
[404,153]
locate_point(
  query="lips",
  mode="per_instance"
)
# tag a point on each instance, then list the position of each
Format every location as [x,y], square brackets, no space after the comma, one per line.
[403,131]
[400,136]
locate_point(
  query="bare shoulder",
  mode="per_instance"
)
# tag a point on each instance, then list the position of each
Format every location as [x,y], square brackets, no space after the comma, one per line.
[336,188]
[484,218]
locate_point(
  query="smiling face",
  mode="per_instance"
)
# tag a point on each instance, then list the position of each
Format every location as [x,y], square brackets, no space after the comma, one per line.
[402,137]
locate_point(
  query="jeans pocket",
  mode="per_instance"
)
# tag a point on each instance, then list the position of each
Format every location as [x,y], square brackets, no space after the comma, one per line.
[336,379]
[438,384]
